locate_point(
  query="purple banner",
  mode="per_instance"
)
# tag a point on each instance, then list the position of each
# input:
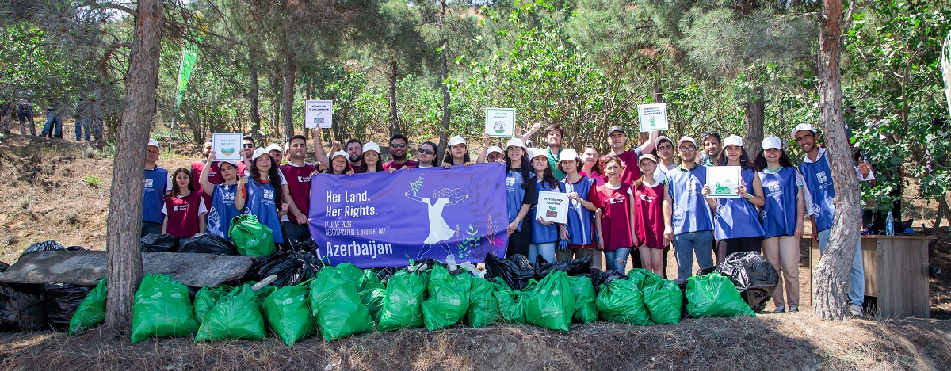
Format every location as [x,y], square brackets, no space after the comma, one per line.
[384,220]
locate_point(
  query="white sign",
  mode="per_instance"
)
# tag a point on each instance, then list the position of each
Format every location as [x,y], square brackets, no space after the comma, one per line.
[653,116]
[318,113]
[723,181]
[553,207]
[500,122]
[227,146]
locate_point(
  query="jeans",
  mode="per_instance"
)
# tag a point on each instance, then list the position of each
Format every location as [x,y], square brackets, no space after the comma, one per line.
[857,273]
[617,260]
[546,250]
[80,126]
[686,244]
[53,126]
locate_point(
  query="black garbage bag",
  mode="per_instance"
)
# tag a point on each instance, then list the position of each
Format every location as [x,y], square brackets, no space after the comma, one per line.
[48,245]
[76,248]
[3,266]
[62,300]
[155,242]
[752,275]
[386,272]
[574,267]
[209,243]
[307,244]
[291,268]
[22,307]
[599,277]
[515,271]
[706,271]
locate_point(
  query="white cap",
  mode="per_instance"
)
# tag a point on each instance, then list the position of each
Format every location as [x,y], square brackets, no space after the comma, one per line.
[772,143]
[515,142]
[340,153]
[152,142]
[803,126]
[258,152]
[647,156]
[494,149]
[232,162]
[686,139]
[568,154]
[371,146]
[456,140]
[657,141]
[274,147]
[733,140]
[536,152]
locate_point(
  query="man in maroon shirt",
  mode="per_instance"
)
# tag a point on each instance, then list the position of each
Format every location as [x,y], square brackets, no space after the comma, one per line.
[297,173]
[629,170]
[398,149]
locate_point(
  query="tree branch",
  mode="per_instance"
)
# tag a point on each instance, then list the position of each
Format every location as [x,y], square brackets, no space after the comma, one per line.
[108,5]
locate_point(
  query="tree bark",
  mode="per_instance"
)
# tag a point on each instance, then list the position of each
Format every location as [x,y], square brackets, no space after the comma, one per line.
[287,101]
[831,278]
[124,258]
[254,95]
[754,116]
[394,119]
[443,75]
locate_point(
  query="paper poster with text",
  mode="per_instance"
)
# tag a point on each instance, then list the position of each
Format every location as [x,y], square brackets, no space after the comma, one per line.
[318,114]
[652,116]
[553,206]
[227,146]
[723,181]
[500,122]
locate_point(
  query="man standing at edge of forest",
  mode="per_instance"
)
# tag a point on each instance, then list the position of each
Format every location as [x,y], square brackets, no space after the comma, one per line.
[156,188]
[818,176]
[711,148]
[297,173]
[399,146]
[629,170]
[554,136]
[687,217]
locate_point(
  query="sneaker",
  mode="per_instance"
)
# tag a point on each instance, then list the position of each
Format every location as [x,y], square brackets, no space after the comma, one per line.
[793,309]
[855,310]
[780,309]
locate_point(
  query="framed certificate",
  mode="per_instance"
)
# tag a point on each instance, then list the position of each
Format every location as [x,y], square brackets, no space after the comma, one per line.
[723,181]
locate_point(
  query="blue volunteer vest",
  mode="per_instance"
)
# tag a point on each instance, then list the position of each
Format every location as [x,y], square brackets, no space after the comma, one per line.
[779,213]
[580,229]
[737,217]
[818,177]
[153,195]
[222,210]
[543,233]
[691,212]
[260,203]
[514,194]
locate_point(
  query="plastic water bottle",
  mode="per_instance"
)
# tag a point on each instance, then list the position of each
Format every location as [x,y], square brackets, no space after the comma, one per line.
[889,225]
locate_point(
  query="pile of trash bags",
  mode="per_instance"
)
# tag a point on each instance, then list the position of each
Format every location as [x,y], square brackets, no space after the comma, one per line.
[306,299]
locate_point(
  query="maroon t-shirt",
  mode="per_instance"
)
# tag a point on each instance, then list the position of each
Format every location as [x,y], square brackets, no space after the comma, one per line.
[649,215]
[616,218]
[298,183]
[214,176]
[629,169]
[183,214]
[409,164]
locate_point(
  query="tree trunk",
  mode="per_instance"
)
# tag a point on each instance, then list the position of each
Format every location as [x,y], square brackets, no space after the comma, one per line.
[443,75]
[394,119]
[831,278]
[255,110]
[754,116]
[287,103]
[124,258]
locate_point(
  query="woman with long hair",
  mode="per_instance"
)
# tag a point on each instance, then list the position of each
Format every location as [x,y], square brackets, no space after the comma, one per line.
[782,215]
[184,207]
[371,159]
[457,154]
[582,220]
[617,222]
[591,165]
[222,195]
[520,195]
[545,234]
[339,164]
[736,224]
[258,195]
[426,155]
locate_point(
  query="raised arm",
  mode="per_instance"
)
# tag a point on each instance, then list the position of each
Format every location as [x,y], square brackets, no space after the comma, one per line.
[532,131]
[319,152]
[240,195]
[485,148]
[206,186]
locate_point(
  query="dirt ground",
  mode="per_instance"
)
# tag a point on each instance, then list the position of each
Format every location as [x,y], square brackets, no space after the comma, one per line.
[58,189]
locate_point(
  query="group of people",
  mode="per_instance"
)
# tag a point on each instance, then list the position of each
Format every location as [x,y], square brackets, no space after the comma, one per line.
[636,203]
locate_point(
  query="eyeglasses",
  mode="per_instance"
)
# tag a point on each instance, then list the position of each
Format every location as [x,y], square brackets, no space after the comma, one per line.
[688,148]
[246,145]
[426,151]
[401,145]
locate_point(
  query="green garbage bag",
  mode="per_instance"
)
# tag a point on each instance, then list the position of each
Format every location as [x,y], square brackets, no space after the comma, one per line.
[371,280]
[263,293]
[511,302]
[91,311]
[622,301]
[586,310]
[288,313]
[551,305]
[643,277]
[664,301]
[483,306]
[373,299]
[162,309]
[448,298]
[337,306]
[402,303]
[236,316]
[251,237]
[352,274]
[714,295]
[206,298]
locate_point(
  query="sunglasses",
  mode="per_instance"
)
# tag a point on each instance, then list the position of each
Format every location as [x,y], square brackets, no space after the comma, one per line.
[248,146]
[401,145]
[426,151]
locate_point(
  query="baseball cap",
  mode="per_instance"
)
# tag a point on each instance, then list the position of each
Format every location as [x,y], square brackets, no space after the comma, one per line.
[660,138]
[456,140]
[494,149]
[615,128]
[686,139]
[803,126]
[340,153]
[647,156]
[371,146]
[568,154]
[514,142]
[274,147]
[536,152]
[733,140]
[258,152]
[772,143]
[152,142]
[232,162]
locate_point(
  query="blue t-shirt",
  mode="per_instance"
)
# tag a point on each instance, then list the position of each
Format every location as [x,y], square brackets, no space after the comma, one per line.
[222,210]
[737,217]
[516,195]
[260,203]
[580,228]
[779,212]
[690,210]
[543,233]
[153,195]
[818,177]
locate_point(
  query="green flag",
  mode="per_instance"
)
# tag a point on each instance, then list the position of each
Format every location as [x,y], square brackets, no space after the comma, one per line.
[189,56]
